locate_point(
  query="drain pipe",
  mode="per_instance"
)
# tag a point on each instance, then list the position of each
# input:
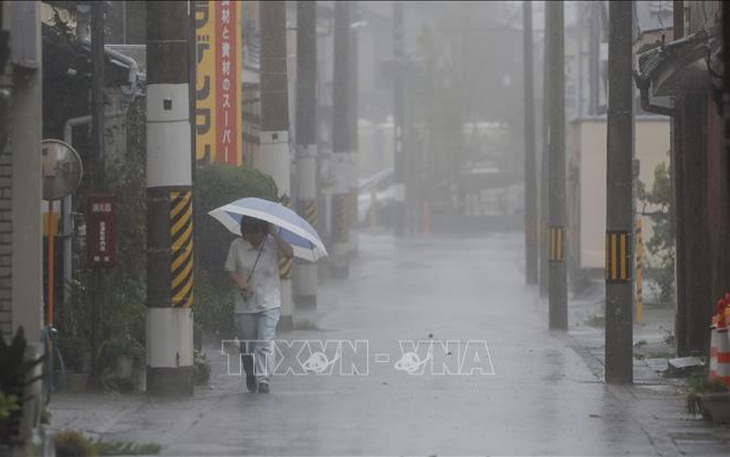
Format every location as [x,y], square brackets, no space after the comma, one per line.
[67,202]
[130,62]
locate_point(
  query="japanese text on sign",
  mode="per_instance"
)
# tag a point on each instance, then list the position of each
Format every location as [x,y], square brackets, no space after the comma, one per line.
[218,84]
[101,230]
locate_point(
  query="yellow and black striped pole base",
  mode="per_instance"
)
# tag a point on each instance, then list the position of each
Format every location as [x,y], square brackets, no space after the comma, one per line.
[309,211]
[557,244]
[181,245]
[304,276]
[339,267]
[618,256]
[342,223]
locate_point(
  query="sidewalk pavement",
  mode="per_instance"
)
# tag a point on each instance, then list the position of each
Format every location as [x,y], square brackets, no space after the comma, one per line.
[655,404]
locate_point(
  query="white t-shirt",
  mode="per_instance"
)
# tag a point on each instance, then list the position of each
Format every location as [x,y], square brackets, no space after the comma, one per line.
[264,282]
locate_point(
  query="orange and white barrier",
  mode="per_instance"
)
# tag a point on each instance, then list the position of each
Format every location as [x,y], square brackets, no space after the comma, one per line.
[720,343]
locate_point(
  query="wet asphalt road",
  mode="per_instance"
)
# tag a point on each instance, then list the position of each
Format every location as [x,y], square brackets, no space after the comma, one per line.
[536,395]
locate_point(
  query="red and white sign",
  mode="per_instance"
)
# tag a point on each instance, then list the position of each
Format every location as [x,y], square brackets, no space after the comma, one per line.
[101,230]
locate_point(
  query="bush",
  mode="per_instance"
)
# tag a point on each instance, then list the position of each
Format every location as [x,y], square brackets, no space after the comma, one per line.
[72,443]
[216,185]
[202,368]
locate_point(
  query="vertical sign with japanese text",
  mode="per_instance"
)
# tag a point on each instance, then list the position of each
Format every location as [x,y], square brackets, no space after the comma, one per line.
[101,230]
[218,82]
[228,88]
[205,83]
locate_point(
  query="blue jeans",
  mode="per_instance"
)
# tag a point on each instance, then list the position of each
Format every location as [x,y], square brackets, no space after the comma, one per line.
[259,330]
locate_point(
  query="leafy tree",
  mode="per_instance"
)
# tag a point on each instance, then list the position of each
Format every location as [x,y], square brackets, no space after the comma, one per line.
[661,244]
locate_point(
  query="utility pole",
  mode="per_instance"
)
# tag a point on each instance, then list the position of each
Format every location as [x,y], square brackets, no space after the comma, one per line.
[558,290]
[594,49]
[544,169]
[619,196]
[343,161]
[353,105]
[170,369]
[530,176]
[98,178]
[273,156]
[678,173]
[399,102]
[305,274]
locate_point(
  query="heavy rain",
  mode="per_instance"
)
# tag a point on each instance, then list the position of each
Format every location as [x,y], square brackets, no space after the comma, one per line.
[364,228]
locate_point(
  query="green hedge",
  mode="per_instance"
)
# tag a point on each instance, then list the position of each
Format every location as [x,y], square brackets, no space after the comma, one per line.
[216,185]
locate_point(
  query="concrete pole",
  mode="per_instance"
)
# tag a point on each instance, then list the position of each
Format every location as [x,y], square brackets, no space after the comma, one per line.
[398,119]
[343,160]
[558,290]
[170,272]
[273,157]
[305,274]
[354,130]
[530,175]
[594,47]
[678,173]
[544,169]
[619,204]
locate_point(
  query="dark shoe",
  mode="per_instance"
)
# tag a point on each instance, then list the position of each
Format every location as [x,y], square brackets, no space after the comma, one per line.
[247,360]
[263,388]
[251,383]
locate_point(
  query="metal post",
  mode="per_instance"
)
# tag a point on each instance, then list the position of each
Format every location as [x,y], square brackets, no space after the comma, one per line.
[558,290]
[170,272]
[343,161]
[530,176]
[98,146]
[305,274]
[619,198]
[273,155]
[398,118]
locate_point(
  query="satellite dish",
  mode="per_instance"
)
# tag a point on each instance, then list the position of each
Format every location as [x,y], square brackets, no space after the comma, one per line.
[62,169]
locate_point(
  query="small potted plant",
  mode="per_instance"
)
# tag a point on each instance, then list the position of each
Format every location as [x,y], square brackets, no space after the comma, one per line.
[8,408]
[120,358]
[17,375]
[709,398]
[76,352]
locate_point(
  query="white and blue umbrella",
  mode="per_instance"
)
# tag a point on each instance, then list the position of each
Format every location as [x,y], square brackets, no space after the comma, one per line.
[293,228]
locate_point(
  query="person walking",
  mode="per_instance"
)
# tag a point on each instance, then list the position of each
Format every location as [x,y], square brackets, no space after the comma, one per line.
[253,265]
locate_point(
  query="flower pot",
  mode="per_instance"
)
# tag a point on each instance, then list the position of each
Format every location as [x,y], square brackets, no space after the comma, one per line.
[125,367]
[140,380]
[717,406]
[77,382]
